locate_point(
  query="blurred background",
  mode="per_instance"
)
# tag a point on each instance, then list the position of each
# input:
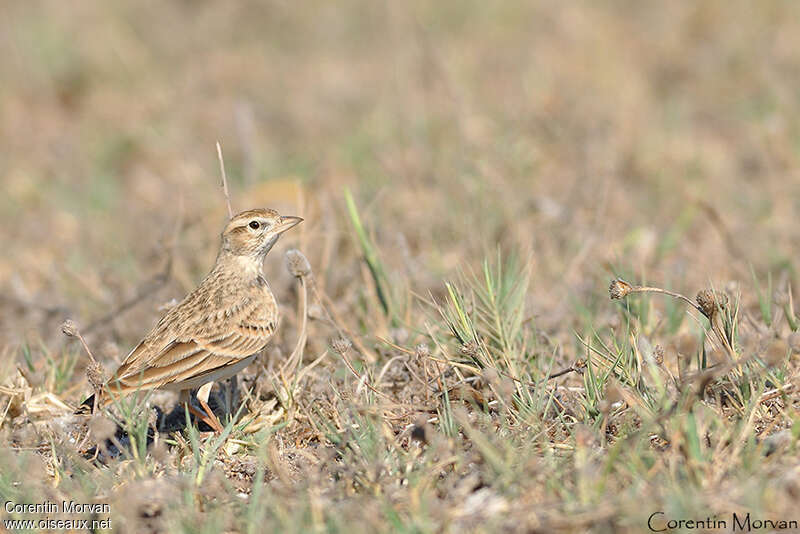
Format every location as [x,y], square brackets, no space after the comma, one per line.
[657,141]
[651,140]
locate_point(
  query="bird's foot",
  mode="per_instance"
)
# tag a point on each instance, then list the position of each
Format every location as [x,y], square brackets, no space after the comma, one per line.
[211,419]
[207,416]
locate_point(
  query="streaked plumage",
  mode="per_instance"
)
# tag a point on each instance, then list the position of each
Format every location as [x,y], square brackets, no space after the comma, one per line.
[219,327]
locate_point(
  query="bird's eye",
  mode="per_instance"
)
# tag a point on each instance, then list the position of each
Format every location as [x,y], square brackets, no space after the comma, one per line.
[254,225]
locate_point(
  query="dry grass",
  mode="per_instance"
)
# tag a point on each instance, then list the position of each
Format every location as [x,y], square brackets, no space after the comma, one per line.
[472,176]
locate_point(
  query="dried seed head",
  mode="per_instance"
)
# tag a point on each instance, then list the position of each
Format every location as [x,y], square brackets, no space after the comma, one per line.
[69,328]
[297,264]
[619,289]
[709,301]
[96,376]
[341,345]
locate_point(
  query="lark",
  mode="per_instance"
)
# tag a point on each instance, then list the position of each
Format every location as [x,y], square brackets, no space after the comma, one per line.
[218,329]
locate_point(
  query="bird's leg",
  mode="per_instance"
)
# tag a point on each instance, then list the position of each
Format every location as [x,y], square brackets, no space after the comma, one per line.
[210,419]
[186,400]
[231,394]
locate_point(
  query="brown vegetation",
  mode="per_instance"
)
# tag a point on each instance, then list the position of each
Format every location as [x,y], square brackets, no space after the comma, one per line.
[471,176]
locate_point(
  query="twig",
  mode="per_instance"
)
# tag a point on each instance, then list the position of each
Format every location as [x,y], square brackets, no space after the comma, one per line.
[687,300]
[296,357]
[576,367]
[775,393]
[224,180]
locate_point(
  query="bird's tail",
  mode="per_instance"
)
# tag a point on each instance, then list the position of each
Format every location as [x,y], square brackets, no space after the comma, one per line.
[87,406]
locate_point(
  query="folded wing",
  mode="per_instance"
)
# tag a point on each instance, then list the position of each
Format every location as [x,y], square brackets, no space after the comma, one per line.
[194,348]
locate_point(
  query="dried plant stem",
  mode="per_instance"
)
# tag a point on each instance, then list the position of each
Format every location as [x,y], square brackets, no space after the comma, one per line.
[94,371]
[687,300]
[5,412]
[708,302]
[571,369]
[296,357]
[775,393]
[224,180]
[86,347]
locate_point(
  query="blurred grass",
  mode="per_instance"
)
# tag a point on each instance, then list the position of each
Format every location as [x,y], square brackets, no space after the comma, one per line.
[543,147]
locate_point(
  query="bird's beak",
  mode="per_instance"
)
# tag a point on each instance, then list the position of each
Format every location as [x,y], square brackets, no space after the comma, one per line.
[287,222]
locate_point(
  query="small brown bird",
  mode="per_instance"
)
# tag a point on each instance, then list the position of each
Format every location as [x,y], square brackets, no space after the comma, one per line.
[218,329]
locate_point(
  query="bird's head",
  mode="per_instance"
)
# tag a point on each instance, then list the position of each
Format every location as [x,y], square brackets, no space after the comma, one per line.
[253,232]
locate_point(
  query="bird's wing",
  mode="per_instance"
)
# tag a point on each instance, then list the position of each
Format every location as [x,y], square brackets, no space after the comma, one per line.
[176,351]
